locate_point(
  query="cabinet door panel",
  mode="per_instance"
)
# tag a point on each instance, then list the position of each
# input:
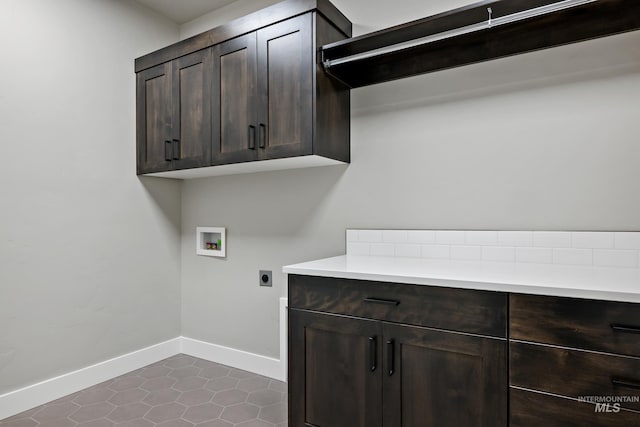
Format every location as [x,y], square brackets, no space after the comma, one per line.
[332,383]
[153,105]
[234,121]
[444,379]
[192,110]
[285,82]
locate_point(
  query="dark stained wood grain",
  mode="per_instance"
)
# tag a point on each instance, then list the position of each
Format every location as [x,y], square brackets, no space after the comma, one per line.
[244,25]
[285,67]
[529,409]
[153,117]
[593,20]
[444,379]
[191,124]
[234,100]
[472,311]
[332,124]
[330,380]
[572,373]
[576,323]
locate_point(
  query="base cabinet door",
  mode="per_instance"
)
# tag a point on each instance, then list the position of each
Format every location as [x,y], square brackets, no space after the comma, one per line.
[334,365]
[434,378]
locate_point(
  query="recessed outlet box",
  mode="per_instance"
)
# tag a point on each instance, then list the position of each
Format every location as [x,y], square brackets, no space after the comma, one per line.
[265,278]
[211,241]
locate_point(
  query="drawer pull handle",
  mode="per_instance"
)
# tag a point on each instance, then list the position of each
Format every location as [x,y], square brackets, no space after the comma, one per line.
[167,151]
[625,328]
[390,356]
[372,353]
[625,383]
[382,301]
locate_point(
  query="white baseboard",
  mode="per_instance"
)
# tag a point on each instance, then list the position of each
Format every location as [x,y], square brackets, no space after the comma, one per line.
[20,400]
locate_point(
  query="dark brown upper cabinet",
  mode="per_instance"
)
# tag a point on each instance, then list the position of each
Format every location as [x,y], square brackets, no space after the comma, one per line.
[252,90]
[174,109]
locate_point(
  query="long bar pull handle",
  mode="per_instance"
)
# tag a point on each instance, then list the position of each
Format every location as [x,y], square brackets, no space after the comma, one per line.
[177,150]
[263,136]
[625,328]
[625,383]
[251,136]
[167,151]
[382,301]
[390,360]
[373,347]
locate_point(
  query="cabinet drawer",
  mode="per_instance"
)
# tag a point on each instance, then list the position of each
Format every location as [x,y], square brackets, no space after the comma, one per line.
[529,409]
[463,310]
[612,327]
[575,373]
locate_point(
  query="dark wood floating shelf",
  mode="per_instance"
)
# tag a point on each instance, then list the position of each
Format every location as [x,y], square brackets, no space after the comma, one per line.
[581,22]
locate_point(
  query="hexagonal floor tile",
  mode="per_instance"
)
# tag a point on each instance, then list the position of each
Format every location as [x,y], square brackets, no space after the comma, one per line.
[195,397]
[92,412]
[158,383]
[158,397]
[97,423]
[240,374]
[175,423]
[189,383]
[154,372]
[255,423]
[93,395]
[254,383]
[128,412]
[265,397]
[274,413]
[215,423]
[219,384]
[230,397]
[240,413]
[179,361]
[202,413]
[215,371]
[128,396]
[165,412]
[21,422]
[53,412]
[187,371]
[138,422]
[126,382]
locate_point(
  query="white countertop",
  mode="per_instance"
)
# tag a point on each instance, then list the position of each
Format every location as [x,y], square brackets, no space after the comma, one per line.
[613,284]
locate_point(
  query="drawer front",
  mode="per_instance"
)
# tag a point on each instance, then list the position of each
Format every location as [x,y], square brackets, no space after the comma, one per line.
[575,373]
[463,310]
[529,409]
[612,327]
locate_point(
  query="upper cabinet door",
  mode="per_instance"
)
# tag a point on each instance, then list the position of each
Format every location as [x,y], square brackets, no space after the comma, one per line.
[285,86]
[191,139]
[234,101]
[153,111]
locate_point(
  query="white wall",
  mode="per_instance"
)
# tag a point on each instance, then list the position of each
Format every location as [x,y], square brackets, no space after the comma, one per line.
[542,141]
[89,253]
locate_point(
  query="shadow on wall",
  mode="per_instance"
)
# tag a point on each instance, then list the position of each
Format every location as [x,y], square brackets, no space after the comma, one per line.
[165,194]
[596,59]
[277,204]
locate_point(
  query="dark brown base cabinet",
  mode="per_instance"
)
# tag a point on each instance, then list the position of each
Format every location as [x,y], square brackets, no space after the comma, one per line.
[250,90]
[348,371]
[373,354]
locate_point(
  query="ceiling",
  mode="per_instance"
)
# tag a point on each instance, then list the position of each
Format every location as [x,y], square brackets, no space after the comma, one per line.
[184,10]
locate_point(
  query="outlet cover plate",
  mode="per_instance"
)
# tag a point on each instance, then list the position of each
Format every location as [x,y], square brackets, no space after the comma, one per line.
[264,277]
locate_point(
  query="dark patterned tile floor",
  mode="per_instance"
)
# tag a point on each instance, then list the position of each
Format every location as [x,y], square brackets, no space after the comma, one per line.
[181,391]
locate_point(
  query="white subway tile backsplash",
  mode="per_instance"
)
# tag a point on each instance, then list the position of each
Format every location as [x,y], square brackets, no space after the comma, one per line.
[592,240]
[467,253]
[382,249]
[584,248]
[421,236]
[352,235]
[356,248]
[394,236]
[448,237]
[435,251]
[482,238]
[372,236]
[534,255]
[408,250]
[552,239]
[615,258]
[627,240]
[498,253]
[567,256]
[515,238]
